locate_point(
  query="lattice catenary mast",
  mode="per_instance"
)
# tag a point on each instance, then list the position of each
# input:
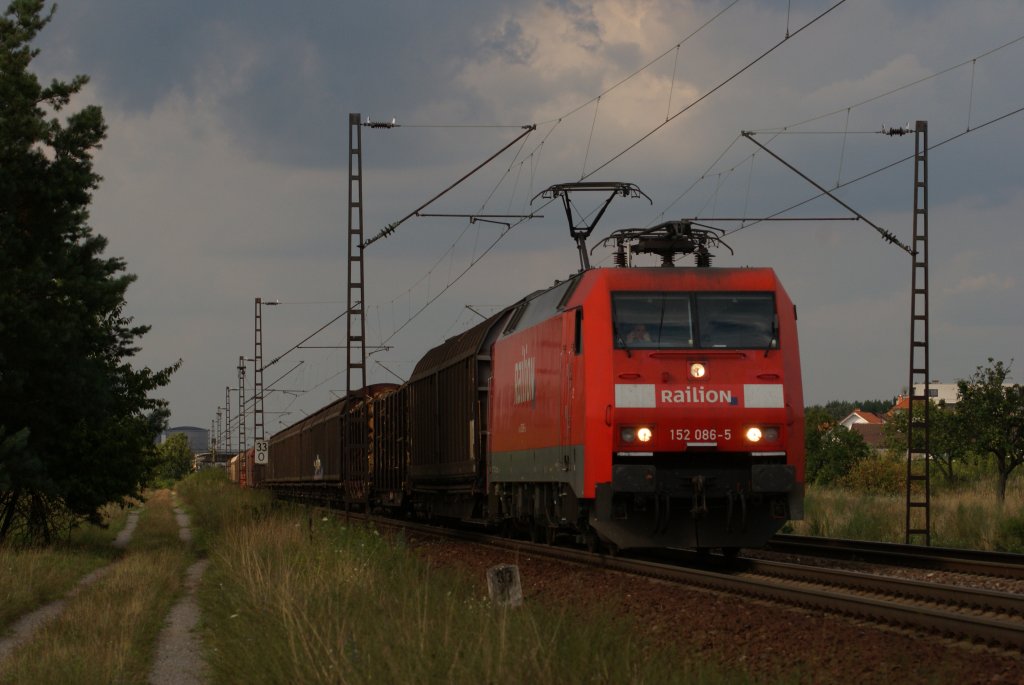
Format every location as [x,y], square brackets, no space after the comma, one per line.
[356,339]
[918,442]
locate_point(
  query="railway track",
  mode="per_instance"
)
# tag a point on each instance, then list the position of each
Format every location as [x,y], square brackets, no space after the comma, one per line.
[979,616]
[1000,564]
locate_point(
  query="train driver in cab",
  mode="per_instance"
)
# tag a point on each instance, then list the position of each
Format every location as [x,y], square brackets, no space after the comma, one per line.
[638,334]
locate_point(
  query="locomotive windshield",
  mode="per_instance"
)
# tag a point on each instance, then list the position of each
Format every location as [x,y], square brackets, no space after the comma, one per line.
[737,320]
[652,320]
[694,320]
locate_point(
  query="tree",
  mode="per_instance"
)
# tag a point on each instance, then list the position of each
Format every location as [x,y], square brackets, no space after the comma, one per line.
[947,444]
[840,409]
[80,421]
[831,449]
[174,458]
[994,412]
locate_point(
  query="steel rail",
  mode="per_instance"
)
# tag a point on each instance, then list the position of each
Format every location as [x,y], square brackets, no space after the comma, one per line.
[959,618]
[951,621]
[1007,603]
[999,564]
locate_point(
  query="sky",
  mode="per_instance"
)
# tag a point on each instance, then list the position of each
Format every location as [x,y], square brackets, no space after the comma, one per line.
[225,169]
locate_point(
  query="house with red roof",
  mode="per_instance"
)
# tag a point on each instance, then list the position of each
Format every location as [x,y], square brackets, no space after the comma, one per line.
[870,426]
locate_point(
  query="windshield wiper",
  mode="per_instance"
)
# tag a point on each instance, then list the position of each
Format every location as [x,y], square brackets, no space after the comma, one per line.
[774,336]
[621,341]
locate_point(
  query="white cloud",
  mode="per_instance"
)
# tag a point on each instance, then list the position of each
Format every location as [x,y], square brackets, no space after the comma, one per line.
[993,283]
[226,162]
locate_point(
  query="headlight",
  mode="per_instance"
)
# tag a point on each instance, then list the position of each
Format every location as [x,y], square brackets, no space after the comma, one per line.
[754,434]
[697,370]
[771,434]
[634,434]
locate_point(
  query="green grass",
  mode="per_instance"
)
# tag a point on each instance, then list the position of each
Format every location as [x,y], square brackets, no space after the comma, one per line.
[215,505]
[107,632]
[30,578]
[333,604]
[967,517]
[326,603]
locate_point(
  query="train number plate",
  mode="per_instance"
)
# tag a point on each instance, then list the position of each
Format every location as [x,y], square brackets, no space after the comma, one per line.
[700,434]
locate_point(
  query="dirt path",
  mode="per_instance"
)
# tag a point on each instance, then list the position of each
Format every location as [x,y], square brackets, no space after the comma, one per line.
[25,626]
[179,650]
[28,624]
[178,658]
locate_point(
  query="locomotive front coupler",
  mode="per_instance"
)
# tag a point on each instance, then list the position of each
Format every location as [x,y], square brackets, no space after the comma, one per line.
[700,499]
[731,499]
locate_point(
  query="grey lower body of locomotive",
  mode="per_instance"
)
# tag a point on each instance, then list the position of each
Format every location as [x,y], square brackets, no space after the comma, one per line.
[649,506]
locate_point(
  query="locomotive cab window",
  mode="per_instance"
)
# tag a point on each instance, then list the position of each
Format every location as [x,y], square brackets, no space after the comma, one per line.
[652,320]
[694,320]
[737,320]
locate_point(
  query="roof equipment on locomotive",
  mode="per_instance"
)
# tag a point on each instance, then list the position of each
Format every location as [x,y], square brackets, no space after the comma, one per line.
[634,407]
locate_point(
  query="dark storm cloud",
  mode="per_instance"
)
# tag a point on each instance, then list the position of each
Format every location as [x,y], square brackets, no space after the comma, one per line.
[581,17]
[509,43]
[229,135]
[284,75]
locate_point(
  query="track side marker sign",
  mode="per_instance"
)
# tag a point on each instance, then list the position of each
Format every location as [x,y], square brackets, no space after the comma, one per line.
[261,451]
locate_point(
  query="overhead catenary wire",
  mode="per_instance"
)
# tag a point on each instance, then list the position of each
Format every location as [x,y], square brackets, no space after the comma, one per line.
[531,163]
[251,399]
[987,53]
[555,122]
[879,170]
[887,235]
[307,338]
[390,228]
[792,129]
[644,68]
[718,87]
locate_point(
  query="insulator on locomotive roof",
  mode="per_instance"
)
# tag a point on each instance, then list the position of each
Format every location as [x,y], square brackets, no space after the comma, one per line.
[620,253]
[667,240]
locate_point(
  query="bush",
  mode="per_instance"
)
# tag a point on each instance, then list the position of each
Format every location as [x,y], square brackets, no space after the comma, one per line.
[833,453]
[1010,534]
[216,504]
[877,474]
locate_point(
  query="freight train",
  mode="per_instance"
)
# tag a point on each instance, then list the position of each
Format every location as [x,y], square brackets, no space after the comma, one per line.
[624,407]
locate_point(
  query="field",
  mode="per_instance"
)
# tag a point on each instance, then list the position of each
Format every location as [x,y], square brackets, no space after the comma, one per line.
[106,631]
[290,598]
[968,517]
[313,601]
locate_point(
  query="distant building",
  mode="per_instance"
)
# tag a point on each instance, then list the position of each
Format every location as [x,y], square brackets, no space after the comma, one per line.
[859,416]
[198,438]
[869,425]
[940,392]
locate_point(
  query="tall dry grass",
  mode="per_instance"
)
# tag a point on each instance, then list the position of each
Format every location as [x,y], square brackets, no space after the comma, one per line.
[107,633]
[968,517]
[287,599]
[30,578]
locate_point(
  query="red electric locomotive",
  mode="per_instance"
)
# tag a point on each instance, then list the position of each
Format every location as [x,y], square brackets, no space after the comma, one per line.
[650,407]
[630,407]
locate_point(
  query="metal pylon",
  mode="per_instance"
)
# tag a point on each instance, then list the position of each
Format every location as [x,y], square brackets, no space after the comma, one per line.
[918,446]
[227,420]
[355,371]
[241,404]
[220,431]
[257,376]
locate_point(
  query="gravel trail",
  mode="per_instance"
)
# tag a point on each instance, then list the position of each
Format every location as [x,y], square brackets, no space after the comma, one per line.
[178,659]
[28,624]
[179,650]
